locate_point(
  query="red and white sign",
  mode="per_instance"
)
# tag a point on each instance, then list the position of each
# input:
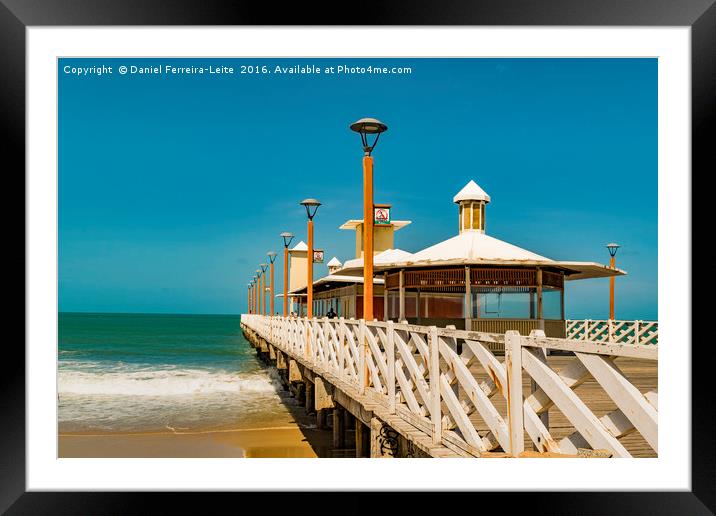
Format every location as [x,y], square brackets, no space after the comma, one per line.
[381,216]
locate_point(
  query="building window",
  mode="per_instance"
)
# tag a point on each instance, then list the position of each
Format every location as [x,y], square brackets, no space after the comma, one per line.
[501,303]
[475,216]
[551,303]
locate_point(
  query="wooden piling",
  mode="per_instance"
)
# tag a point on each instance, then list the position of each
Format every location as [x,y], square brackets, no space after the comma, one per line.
[339,427]
[321,417]
[362,439]
[310,398]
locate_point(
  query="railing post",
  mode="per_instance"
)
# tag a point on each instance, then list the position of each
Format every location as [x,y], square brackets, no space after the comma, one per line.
[513,368]
[362,377]
[610,331]
[636,332]
[307,350]
[341,348]
[434,372]
[390,357]
[314,340]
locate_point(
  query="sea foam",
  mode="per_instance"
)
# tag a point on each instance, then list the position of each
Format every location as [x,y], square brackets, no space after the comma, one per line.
[175,382]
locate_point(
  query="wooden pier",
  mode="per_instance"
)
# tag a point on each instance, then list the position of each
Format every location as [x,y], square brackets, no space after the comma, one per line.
[423,391]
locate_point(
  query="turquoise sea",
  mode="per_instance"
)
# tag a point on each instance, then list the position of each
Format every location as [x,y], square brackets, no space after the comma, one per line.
[153,372]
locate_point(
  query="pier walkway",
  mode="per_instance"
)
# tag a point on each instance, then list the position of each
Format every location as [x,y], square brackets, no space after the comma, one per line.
[423,391]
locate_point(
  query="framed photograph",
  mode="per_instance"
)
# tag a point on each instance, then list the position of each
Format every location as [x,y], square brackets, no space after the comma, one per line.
[503,192]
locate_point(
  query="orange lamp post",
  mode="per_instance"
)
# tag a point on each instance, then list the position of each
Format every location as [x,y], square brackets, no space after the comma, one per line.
[287,238]
[612,248]
[272,258]
[253,295]
[263,266]
[311,206]
[256,294]
[366,127]
[248,297]
[258,291]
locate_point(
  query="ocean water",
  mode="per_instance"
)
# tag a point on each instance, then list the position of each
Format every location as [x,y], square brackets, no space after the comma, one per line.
[149,372]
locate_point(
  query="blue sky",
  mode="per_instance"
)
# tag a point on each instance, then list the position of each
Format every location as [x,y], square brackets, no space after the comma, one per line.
[173,188]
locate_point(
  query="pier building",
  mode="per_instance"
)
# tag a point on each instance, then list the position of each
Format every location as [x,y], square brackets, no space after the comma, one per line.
[475,281]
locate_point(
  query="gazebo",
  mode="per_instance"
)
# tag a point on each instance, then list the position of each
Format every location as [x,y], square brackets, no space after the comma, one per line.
[344,293]
[477,282]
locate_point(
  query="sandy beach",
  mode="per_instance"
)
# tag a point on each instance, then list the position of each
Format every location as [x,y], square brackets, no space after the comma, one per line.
[279,442]
[292,434]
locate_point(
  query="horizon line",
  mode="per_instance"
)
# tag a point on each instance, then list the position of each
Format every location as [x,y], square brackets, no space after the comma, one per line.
[141,313]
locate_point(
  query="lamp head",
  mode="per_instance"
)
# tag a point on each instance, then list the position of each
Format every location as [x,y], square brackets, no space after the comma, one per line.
[263,266]
[366,126]
[287,238]
[272,256]
[311,206]
[612,248]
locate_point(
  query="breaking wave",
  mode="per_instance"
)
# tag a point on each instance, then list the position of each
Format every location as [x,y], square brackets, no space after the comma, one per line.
[175,382]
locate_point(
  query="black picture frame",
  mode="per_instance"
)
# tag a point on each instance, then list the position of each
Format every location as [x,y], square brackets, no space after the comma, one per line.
[17,15]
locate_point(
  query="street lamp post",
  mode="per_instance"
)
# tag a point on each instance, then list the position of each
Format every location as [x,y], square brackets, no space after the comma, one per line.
[258,291]
[287,238]
[263,266]
[612,248]
[311,206]
[272,258]
[366,127]
[248,297]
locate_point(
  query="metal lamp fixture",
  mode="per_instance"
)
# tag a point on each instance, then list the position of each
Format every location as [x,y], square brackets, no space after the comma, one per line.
[311,206]
[287,238]
[368,126]
[272,258]
[248,295]
[612,248]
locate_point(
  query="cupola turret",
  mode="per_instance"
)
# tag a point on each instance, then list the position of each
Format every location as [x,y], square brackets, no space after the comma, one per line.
[471,201]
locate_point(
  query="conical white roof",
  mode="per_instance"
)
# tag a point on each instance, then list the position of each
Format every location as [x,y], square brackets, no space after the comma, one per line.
[335,262]
[301,246]
[475,246]
[471,192]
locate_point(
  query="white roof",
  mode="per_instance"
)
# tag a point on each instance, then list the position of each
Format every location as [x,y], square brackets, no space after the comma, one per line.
[471,192]
[586,270]
[385,257]
[335,262]
[475,245]
[476,248]
[338,278]
[301,246]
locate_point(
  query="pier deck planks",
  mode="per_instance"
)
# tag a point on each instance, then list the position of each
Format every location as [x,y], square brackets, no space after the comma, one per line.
[642,373]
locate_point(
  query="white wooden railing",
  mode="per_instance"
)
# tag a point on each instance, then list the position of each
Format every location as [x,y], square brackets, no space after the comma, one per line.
[440,380]
[625,332]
